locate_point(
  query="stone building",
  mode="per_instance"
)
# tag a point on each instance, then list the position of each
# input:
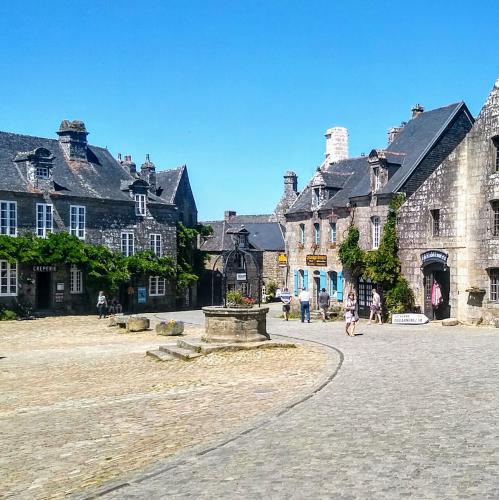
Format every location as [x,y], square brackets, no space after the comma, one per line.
[449,228]
[66,184]
[358,191]
[263,239]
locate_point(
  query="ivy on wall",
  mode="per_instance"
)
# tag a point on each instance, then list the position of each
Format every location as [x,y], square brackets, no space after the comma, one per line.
[104,268]
[382,266]
[190,260]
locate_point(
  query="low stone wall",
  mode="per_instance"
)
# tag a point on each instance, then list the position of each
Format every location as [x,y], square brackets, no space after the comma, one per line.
[235,325]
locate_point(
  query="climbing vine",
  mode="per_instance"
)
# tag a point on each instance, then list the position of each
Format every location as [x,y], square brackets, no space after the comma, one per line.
[190,260]
[104,268]
[382,265]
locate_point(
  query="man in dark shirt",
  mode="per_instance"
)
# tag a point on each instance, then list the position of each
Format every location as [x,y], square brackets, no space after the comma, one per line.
[324,301]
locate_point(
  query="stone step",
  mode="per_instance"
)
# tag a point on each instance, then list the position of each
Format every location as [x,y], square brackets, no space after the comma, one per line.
[160,355]
[201,347]
[179,352]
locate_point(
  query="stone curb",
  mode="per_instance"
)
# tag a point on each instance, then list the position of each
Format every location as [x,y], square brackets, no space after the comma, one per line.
[190,454]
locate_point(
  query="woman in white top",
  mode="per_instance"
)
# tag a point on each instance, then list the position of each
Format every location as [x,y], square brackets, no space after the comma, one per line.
[350,314]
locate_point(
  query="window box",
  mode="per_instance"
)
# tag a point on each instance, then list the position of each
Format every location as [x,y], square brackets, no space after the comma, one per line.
[332,245]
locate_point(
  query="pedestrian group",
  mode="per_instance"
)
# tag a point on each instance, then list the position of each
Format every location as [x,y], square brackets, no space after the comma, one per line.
[324,302]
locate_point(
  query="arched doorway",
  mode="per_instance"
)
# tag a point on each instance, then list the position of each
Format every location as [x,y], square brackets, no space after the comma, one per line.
[436,273]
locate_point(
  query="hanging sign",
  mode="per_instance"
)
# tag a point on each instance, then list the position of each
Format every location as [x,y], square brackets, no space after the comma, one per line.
[282,259]
[316,260]
[241,276]
[409,319]
[434,256]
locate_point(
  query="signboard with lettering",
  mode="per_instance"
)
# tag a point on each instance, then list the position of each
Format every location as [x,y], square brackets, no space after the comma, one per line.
[433,256]
[44,269]
[141,295]
[241,276]
[409,319]
[59,297]
[316,260]
[282,259]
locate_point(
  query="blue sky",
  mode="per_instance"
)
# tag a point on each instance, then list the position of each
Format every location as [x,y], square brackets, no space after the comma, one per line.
[240,91]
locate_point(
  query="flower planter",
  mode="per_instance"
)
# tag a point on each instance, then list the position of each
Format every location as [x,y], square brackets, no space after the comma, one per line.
[229,324]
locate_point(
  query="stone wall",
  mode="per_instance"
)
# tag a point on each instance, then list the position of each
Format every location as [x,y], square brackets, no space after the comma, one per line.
[105,220]
[462,188]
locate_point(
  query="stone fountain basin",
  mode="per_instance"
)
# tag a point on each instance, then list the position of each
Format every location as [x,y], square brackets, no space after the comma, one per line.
[231,324]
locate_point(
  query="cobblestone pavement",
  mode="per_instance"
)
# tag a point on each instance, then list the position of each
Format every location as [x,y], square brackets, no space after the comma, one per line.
[411,413]
[81,405]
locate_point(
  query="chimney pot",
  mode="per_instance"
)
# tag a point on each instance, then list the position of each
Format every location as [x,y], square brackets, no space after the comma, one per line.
[417,109]
[229,214]
[336,144]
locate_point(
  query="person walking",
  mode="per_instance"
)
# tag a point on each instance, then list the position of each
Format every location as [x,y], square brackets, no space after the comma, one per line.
[324,301]
[351,317]
[375,308]
[304,299]
[101,305]
[286,303]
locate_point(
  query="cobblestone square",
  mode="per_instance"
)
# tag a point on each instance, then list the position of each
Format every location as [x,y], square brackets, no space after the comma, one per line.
[81,404]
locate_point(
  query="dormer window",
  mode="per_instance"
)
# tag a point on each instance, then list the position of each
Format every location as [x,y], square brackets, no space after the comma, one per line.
[317,196]
[42,172]
[140,205]
[377,181]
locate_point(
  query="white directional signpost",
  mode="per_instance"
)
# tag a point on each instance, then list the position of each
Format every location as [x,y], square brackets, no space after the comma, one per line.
[409,319]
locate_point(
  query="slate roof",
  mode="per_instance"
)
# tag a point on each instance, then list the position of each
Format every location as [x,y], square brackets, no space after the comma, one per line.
[265,236]
[340,180]
[415,140]
[101,176]
[167,182]
[351,178]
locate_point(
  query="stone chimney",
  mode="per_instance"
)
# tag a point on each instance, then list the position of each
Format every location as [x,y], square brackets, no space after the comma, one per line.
[228,214]
[394,131]
[73,139]
[129,165]
[290,183]
[148,173]
[336,144]
[417,109]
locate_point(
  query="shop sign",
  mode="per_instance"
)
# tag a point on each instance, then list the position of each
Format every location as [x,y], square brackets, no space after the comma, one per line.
[282,259]
[434,256]
[316,260]
[141,295]
[409,319]
[241,276]
[60,287]
[44,269]
[59,297]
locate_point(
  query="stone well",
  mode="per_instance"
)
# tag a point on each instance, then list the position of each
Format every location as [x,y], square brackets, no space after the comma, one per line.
[227,324]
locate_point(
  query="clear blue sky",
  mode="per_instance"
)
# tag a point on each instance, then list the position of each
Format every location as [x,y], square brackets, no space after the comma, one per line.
[239,90]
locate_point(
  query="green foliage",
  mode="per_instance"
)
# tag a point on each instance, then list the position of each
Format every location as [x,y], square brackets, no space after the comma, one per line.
[190,260]
[350,253]
[7,315]
[235,297]
[104,268]
[399,298]
[382,265]
[271,288]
